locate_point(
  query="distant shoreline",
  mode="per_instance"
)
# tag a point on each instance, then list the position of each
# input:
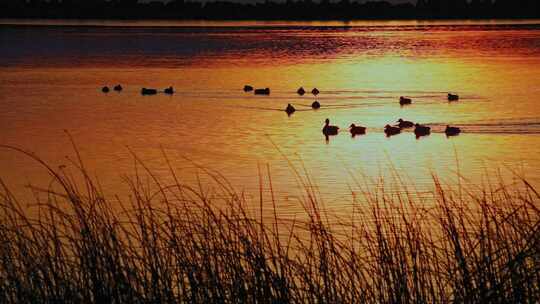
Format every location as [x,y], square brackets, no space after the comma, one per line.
[270,19]
[263,23]
[305,10]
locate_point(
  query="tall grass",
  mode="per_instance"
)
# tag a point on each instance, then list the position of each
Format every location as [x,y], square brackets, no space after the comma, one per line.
[182,243]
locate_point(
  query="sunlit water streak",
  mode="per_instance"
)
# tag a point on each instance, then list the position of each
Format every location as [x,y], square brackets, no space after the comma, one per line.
[51,77]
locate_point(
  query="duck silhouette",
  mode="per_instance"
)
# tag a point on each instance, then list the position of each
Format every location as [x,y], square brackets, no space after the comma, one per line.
[105,90]
[452,131]
[117,88]
[169,90]
[248,88]
[145,91]
[357,130]
[329,130]
[290,109]
[265,91]
[420,130]
[453,97]
[315,91]
[404,124]
[404,101]
[301,91]
[390,130]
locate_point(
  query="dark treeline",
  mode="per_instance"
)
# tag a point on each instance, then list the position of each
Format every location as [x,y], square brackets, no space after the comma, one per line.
[290,9]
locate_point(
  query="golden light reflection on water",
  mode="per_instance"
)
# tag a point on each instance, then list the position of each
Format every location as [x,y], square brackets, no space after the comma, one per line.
[210,120]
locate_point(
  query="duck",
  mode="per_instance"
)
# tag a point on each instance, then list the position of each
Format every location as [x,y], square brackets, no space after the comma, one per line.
[357,130]
[328,129]
[404,101]
[248,88]
[289,109]
[453,97]
[421,130]
[452,131]
[145,91]
[105,89]
[405,124]
[389,130]
[262,91]
[169,90]
[315,91]
[316,105]
[301,91]
[117,88]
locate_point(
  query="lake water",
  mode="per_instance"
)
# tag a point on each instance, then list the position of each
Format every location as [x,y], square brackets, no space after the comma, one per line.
[51,74]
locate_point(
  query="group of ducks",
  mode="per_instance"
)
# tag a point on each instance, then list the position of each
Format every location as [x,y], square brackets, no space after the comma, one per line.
[144,91]
[117,88]
[329,130]
[290,109]
[316,105]
[407,101]
[168,91]
[266,91]
[419,130]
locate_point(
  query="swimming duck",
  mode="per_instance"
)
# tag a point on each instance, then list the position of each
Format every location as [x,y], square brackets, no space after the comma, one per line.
[117,88]
[169,90]
[262,91]
[146,91]
[404,124]
[328,129]
[315,91]
[357,130]
[453,97]
[316,105]
[452,131]
[105,89]
[389,130]
[420,130]
[248,88]
[301,91]
[404,101]
[289,109]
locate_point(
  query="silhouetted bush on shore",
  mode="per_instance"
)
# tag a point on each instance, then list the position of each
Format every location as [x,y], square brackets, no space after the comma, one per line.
[268,10]
[179,243]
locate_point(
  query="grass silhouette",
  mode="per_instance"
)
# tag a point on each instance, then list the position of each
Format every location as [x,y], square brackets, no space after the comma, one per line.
[184,243]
